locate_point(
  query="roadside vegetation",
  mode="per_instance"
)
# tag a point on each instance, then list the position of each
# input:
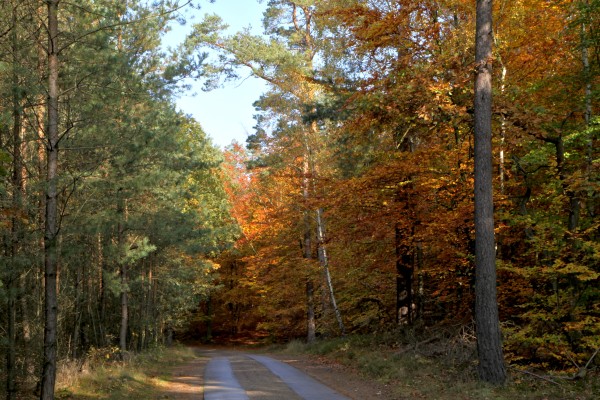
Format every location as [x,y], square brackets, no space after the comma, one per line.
[414,364]
[440,367]
[143,376]
[348,212]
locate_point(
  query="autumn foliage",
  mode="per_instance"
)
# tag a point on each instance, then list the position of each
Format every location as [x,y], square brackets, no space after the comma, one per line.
[388,136]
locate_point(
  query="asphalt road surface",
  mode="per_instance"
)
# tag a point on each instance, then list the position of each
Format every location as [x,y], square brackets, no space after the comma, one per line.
[230,376]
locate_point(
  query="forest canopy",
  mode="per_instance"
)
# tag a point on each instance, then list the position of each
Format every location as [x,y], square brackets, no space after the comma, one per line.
[350,209]
[355,192]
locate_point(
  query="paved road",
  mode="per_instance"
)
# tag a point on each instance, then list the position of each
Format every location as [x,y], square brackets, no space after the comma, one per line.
[252,377]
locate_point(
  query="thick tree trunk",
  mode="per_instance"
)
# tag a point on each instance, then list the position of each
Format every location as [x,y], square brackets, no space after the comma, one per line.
[489,341]
[51,225]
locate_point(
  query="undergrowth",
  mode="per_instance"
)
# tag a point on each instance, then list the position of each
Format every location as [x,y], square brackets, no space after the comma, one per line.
[441,366]
[102,377]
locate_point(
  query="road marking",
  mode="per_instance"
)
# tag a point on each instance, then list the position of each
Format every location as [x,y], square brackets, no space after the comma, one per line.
[220,383]
[305,386]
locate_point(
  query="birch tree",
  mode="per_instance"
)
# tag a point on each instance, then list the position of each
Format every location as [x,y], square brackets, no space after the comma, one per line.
[285,59]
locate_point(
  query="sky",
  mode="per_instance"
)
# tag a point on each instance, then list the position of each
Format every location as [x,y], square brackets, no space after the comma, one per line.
[224,114]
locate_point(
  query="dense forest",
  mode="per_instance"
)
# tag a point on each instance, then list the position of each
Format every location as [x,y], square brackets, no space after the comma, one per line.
[350,209]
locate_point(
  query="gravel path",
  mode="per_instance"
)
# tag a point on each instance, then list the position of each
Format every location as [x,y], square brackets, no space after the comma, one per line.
[221,374]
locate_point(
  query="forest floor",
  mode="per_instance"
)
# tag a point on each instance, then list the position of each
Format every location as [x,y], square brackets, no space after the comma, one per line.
[358,367]
[177,377]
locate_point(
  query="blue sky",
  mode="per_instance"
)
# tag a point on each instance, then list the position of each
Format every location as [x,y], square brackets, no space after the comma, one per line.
[225,114]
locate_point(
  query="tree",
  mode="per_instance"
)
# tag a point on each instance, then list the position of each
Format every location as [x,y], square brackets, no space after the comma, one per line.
[285,61]
[489,340]
[51,229]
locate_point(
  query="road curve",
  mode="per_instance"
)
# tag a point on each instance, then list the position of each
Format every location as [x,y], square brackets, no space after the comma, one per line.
[254,377]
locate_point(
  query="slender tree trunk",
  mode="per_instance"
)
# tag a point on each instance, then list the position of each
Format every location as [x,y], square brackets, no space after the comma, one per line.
[51,225]
[489,341]
[312,137]
[101,305]
[311,325]
[79,287]
[585,59]
[420,282]
[404,279]
[209,318]
[123,271]
[124,311]
[149,306]
[143,308]
[310,312]
[501,166]
[16,228]
[325,265]
[11,388]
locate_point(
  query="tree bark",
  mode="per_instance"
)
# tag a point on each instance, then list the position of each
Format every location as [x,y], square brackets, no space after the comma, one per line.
[79,287]
[101,302]
[51,224]
[123,271]
[311,325]
[16,228]
[489,342]
[585,59]
[322,250]
[404,279]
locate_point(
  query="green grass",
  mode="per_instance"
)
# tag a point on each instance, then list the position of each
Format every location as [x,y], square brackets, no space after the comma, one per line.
[141,377]
[443,369]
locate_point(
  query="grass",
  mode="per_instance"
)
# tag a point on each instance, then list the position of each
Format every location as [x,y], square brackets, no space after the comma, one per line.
[141,377]
[440,367]
[443,368]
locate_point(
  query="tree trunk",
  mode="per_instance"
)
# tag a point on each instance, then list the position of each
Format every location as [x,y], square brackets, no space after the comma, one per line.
[501,166]
[169,336]
[79,288]
[310,312]
[123,271]
[311,325]
[585,60]
[124,312]
[489,341]
[101,303]
[51,224]
[404,280]
[209,318]
[420,282]
[16,228]
[322,250]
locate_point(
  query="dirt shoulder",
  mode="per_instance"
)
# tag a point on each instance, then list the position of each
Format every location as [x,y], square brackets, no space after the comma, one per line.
[343,379]
[186,381]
